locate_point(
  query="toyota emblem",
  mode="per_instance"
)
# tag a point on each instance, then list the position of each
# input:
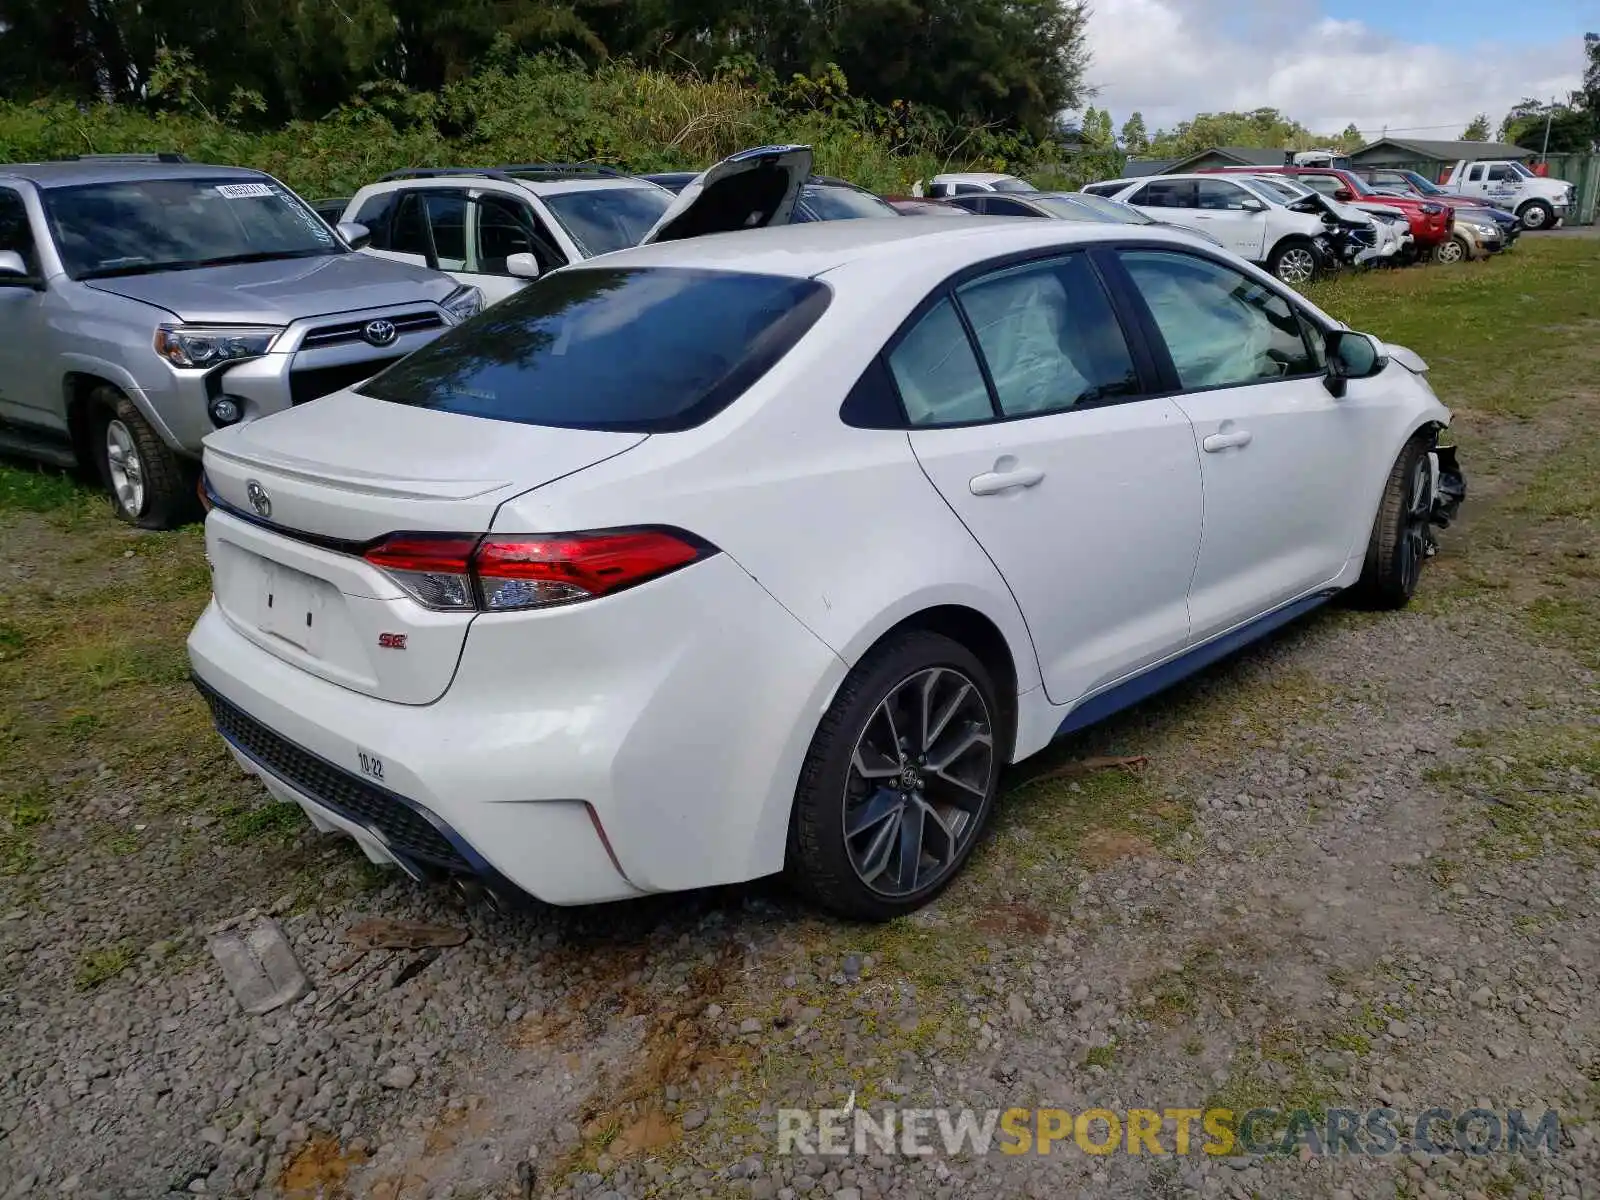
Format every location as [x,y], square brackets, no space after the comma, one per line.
[380,332]
[259,500]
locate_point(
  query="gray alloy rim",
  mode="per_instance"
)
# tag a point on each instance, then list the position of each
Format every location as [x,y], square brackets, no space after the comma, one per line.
[1296,266]
[1451,251]
[1534,217]
[127,471]
[1414,528]
[920,774]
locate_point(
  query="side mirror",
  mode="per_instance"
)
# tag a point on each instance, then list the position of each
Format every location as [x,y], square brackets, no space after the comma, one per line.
[522,266]
[1344,195]
[1253,206]
[13,270]
[357,234]
[1352,355]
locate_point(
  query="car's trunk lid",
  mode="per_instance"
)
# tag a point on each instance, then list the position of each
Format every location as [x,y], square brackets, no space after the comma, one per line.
[300,499]
[748,190]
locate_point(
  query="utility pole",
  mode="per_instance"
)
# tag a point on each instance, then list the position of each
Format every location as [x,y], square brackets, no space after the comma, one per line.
[1549,116]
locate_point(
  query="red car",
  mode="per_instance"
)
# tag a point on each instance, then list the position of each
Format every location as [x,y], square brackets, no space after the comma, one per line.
[1431,220]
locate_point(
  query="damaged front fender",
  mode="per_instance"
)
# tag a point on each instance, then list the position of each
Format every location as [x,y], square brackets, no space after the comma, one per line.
[1449,486]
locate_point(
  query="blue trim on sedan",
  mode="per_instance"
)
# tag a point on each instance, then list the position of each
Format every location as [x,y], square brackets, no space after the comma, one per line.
[1164,675]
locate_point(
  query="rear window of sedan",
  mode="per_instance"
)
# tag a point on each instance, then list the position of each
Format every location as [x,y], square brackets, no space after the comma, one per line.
[646,350]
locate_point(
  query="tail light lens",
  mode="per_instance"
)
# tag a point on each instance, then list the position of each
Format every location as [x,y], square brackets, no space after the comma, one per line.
[459,572]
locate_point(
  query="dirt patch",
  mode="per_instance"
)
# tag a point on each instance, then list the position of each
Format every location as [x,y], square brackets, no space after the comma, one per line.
[1101,847]
[319,1171]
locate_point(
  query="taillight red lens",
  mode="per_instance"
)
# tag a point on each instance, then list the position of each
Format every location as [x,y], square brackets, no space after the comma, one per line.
[536,571]
[501,574]
[434,568]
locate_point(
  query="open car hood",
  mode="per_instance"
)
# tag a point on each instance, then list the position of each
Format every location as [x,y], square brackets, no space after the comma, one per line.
[748,190]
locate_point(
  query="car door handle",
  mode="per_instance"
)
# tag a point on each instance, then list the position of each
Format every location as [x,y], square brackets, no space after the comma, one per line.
[1218,442]
[992,483]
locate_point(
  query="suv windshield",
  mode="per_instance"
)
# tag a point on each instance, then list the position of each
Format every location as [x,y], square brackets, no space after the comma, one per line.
[137,226]
[1013,185]
[632,349]
[1423,185]
[601,220]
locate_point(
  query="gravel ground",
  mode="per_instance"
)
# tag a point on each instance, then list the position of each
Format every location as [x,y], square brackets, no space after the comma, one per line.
[1354,867]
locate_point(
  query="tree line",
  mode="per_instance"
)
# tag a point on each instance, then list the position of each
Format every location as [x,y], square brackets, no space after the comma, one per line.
[1013,63]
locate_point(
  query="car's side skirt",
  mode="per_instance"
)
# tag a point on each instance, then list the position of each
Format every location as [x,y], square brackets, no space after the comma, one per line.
[1163,675]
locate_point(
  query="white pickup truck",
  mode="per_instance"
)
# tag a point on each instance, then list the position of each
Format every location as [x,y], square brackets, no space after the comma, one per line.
[1541,203]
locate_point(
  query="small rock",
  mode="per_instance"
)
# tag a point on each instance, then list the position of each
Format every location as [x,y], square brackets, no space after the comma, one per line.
[693,1119]
[750,1025]
[399,1078]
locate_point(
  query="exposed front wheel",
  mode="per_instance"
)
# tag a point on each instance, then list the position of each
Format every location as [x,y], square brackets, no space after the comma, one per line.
[1400,540]
[150,486]
[1451,250]
[899,781]
[1294,261]
[1537,214]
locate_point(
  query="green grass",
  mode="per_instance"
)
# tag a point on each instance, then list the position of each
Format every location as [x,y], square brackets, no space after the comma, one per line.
[37,489]
[97,966]
[251,822]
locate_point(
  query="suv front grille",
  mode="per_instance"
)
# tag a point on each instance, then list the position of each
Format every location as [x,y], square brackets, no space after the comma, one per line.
[309,383]
[403,826]
[353,331]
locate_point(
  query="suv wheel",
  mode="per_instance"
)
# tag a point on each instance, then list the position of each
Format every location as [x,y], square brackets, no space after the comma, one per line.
[150,486]
[1452,250]
[1294,261]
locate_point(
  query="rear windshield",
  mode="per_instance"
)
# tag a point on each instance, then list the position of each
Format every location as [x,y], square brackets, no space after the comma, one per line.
[1012,185]
[647,350]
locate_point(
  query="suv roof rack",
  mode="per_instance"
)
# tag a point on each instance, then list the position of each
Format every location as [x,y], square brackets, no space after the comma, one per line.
[563,168]
[507,174]
[160,156]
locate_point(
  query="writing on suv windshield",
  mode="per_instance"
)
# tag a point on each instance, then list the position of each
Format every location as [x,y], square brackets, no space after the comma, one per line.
[138,226]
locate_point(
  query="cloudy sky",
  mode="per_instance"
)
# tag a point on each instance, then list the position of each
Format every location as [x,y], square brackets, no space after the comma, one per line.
[1423,66]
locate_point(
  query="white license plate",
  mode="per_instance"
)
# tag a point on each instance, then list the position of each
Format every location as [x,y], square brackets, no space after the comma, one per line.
[291,607]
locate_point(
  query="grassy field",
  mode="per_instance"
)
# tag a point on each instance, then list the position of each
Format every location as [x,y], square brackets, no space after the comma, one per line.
[105,751]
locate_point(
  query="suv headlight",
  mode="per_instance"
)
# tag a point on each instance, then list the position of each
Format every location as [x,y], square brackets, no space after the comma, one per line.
[1433,210]
[209,345]
[463,303]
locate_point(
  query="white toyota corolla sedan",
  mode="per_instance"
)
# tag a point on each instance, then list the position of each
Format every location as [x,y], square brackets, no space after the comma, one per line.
[768,550]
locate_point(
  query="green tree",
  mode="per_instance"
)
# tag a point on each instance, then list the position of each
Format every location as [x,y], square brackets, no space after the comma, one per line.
[1479,130]
[1264,128]
[1135,138]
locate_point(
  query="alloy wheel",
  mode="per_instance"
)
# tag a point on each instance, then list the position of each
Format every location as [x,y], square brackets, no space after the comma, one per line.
[125,468]
[1414,526]
[1297,266]
[920,776]
[1533,218]
[1450,251]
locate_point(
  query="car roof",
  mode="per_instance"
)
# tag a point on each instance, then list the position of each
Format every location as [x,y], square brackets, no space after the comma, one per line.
[71,174]
[811,248]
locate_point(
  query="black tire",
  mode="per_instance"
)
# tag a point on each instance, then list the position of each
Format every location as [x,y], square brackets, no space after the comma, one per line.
[1454,249]
[1288,258]
[1397,548]
[821,863]
[1537,214]
[164,495]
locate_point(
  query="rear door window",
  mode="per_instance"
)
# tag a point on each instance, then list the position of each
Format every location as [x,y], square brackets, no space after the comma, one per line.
[376,213]
[1166,193]
[647,350]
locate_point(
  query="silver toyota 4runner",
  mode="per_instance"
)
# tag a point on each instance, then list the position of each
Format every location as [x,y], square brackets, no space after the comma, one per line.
[146,301]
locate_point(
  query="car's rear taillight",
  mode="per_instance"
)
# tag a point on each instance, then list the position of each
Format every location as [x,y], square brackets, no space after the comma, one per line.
[436,569]
[497,573]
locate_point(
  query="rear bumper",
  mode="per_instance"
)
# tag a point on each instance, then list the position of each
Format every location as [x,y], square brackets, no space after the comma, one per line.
[674,716]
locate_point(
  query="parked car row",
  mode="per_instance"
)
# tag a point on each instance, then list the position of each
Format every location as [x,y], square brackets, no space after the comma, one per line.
[495,591]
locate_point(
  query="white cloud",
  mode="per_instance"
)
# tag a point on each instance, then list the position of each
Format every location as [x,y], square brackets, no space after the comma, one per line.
[1171,59]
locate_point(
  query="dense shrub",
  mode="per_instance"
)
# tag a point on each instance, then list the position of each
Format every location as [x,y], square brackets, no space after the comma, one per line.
[550,109]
